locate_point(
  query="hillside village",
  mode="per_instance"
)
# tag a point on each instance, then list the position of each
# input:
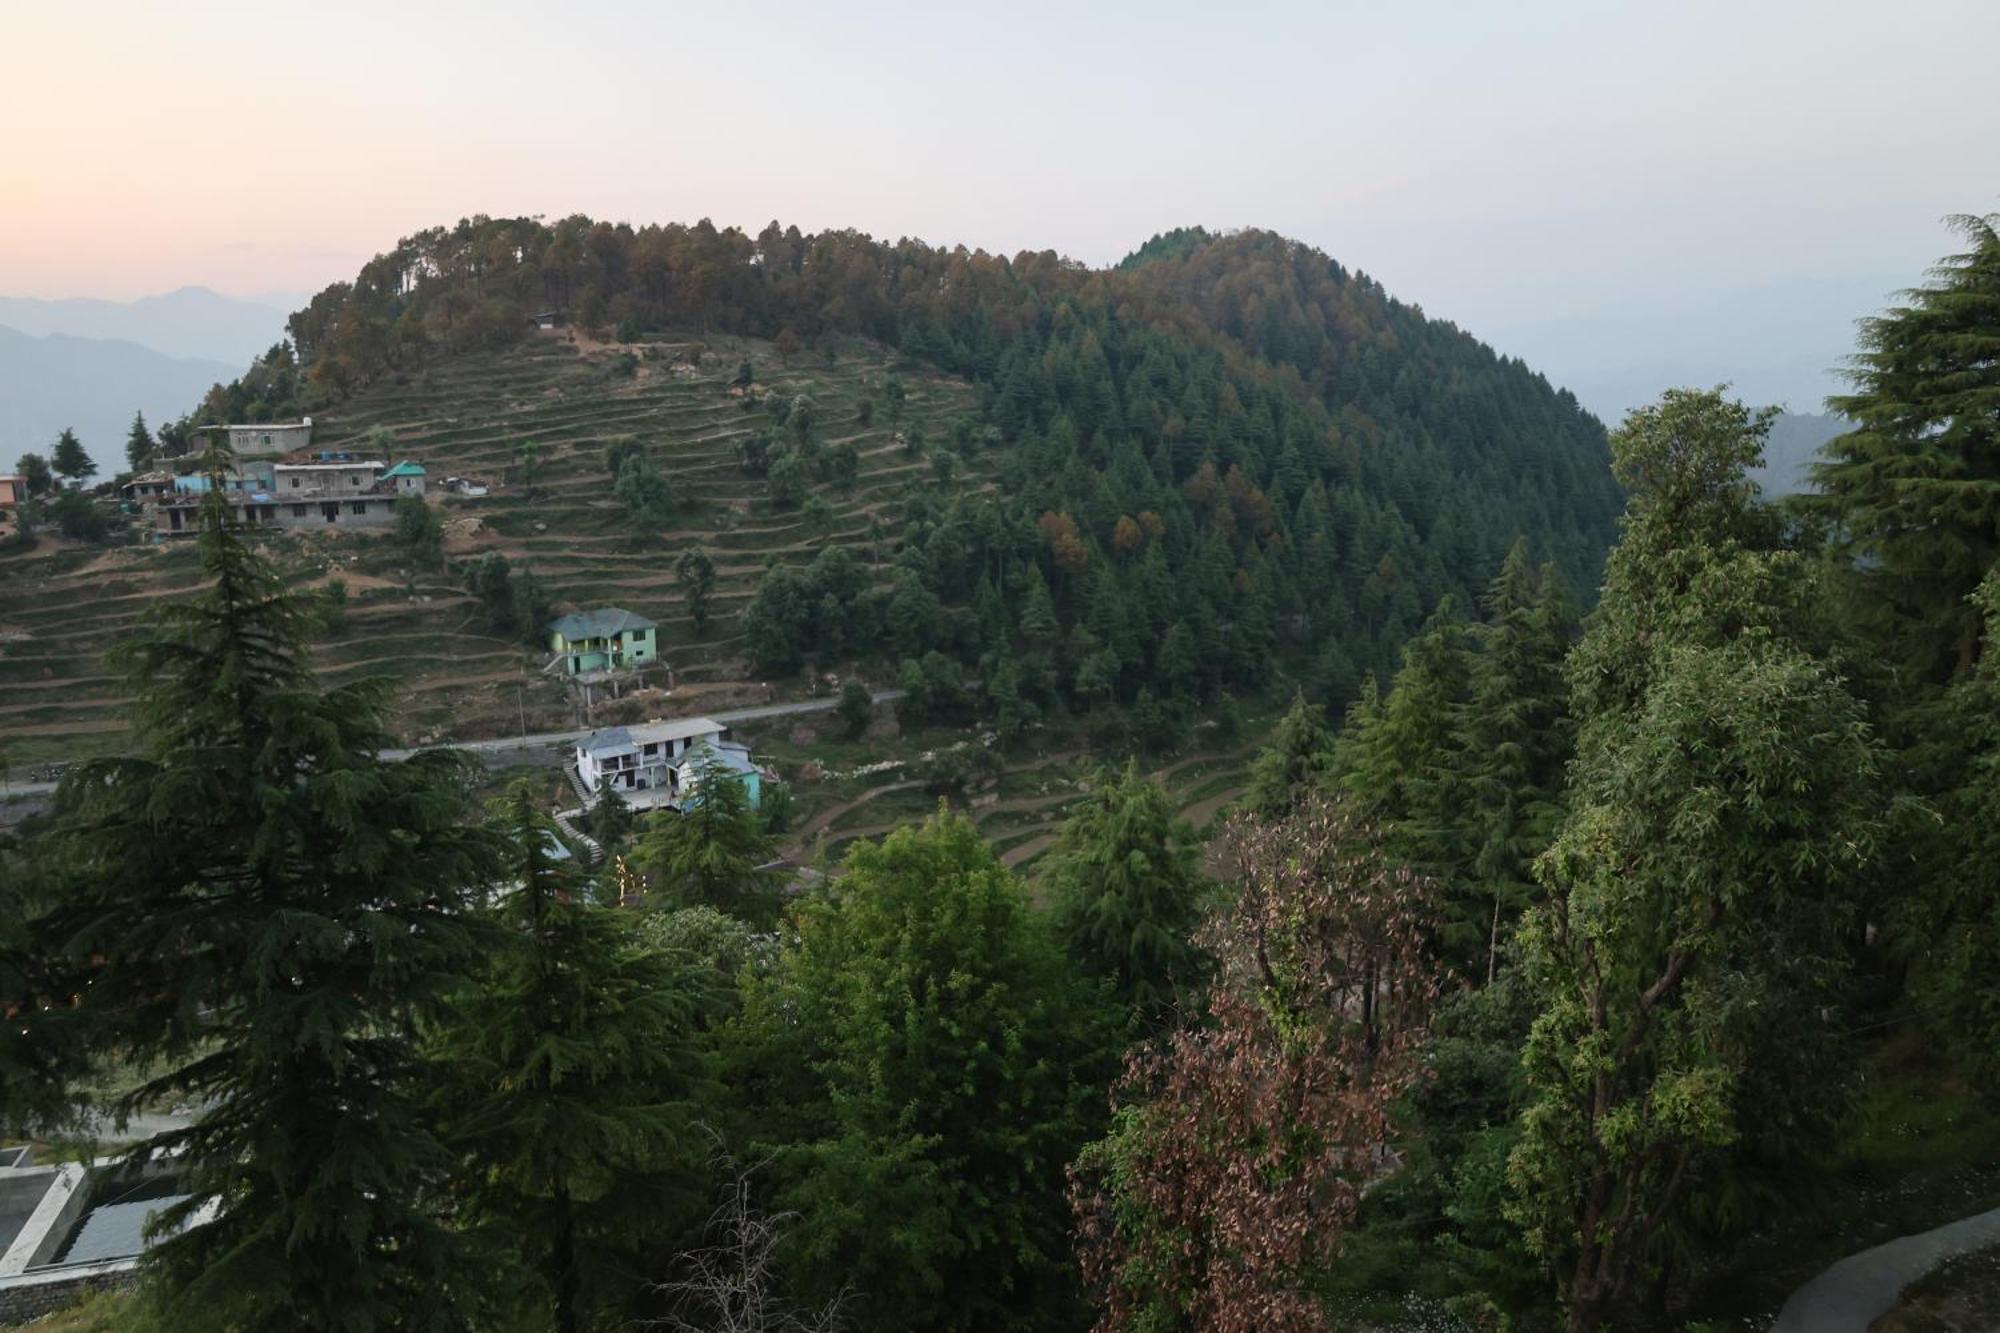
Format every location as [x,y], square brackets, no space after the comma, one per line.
[517,479]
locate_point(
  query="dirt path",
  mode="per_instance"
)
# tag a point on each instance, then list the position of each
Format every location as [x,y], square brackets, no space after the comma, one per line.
[1201,812]
[826,817]
[1022,851]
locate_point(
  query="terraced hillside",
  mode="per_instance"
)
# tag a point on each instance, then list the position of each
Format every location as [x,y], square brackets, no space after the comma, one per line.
[563,401]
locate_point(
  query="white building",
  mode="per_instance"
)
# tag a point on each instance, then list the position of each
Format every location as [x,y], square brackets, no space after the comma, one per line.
[655,764]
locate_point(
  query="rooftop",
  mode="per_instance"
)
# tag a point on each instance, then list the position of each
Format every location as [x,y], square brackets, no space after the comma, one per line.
[601,623]
[327,458]
[649,733]
[405,469]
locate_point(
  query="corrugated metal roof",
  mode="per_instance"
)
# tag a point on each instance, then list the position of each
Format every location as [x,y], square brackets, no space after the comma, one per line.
[601,623]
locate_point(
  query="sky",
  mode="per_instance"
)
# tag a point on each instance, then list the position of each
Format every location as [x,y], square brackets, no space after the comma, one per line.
[1615,192]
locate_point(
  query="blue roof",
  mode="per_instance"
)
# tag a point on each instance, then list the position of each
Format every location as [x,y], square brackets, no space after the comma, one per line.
[405,469]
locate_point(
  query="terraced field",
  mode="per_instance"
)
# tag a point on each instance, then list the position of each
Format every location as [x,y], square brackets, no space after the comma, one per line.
[62,606]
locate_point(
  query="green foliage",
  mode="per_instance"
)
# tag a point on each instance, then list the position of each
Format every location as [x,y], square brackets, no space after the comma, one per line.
[34,469]
[1914,489]
[1125,888]
[785,481]
[563,1074]
[1298,760]
[856,707]
[922,1063]
[1248,482]
[695,571]
[1689,966]
[419,530]
[139,444]
[644,492]
[78,517]
[262,909]
[514,604]
[711,851]
[69,458]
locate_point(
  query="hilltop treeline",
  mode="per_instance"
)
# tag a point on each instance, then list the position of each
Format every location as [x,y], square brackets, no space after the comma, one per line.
[1227,449]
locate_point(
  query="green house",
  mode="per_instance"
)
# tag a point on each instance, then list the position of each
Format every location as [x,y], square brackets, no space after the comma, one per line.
[609,638]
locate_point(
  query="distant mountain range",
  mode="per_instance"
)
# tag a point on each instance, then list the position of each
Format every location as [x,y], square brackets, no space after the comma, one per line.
[1792,449]
[89,365]
[192,322]
[92,386]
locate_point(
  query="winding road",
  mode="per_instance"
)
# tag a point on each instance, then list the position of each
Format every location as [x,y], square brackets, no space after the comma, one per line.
[1863,1287]
[541,740]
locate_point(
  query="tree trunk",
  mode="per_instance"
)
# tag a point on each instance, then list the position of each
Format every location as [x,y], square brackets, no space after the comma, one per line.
[562,1263]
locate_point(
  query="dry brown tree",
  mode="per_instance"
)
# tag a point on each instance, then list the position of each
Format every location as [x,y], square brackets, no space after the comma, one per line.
[1241,1144]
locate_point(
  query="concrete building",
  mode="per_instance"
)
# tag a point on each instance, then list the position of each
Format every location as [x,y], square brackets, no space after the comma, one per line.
[148,487]
[608,638]
[270,439]
[658,764]
[71,1228]
[309,490]
[326,475]
[13,494]
[407,477]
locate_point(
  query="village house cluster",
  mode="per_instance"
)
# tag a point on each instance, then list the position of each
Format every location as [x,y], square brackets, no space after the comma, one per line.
[278,480]
[658,765]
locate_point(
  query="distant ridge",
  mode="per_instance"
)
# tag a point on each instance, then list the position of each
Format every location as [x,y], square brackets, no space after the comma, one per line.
[191,322]
[93,386]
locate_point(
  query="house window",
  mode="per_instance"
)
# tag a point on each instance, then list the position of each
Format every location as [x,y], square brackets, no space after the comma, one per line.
[357,507]
[298,511]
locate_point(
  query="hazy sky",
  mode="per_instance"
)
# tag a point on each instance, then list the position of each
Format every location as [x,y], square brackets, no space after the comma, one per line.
[1658,181]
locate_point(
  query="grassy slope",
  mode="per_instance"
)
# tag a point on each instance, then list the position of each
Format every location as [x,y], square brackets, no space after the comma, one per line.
[65,605]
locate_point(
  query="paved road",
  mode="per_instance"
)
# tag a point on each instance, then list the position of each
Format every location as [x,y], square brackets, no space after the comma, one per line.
[551,740]
[1863,1287]
[545,740]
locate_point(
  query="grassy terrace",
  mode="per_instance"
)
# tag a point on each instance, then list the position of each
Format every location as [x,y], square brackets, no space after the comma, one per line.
[61,607]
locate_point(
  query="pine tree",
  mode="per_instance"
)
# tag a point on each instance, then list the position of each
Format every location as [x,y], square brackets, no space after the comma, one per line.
[926,1063]
[1299,759]
[69,458]
[139,446]
[1517,735]
[564,1071]
[1915,488]
[262,908]
[1125,886]
[709,853]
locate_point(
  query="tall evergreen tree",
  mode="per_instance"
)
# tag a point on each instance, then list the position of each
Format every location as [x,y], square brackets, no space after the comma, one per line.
[711,850]
[1915,488]
[1298,760]
[139,445]
[262,908]
[69,458]
[925,1063]
[564,1073]
[1517,735]
[1125,886]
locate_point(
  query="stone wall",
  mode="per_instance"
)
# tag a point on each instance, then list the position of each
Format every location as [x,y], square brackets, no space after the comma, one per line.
[24,1303]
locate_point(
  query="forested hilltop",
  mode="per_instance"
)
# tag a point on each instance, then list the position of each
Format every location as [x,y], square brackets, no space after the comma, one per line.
[1226,449]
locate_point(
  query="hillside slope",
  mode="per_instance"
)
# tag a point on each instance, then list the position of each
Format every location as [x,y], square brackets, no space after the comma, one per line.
[1109,497]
